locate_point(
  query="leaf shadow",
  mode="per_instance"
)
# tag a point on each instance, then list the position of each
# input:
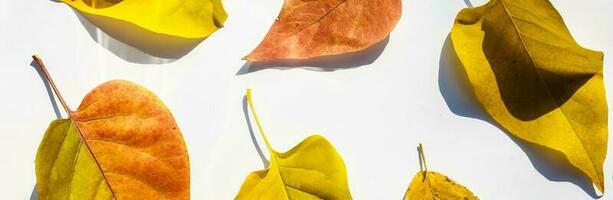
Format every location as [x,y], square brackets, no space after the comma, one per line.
[324,63]
[137,45]
[530,90]
[56,108]
[421,168]
[468,3]
[456,91]
[420,159]
[34,194]
[258,149]
[454,86]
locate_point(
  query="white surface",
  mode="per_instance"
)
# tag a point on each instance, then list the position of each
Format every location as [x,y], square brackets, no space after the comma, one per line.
[375,114]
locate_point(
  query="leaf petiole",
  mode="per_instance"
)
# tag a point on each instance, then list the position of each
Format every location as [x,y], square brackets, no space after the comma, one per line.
[42,67]
[257,122]
[422,157]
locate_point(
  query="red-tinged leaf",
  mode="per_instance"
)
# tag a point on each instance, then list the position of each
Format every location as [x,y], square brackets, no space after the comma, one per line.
[307,28]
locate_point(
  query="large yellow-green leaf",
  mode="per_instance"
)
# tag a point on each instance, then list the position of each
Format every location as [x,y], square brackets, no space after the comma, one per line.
[311,170]
[429,185]
[534,80]
[121,143]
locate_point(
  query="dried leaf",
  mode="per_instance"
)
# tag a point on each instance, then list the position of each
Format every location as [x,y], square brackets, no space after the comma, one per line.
[122,142]
[428,185]
[306,29]
[534,80]
[311,170]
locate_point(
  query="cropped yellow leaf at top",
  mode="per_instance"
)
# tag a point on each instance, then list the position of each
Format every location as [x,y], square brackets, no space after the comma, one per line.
[121,143]
[154,26]
[311,170]
[179,18]
[429,185]
[306,29]
[534,80]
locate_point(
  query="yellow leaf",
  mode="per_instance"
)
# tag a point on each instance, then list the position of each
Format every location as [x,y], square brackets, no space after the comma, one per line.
[179,18]
[534,80]
[428,185]
[163,28]
[121,143]
[311,170]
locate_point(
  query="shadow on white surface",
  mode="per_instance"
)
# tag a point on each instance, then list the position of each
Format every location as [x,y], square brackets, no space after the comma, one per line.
[265,161]
[554,166]
[456,91]
[454,86]
[142,49]
[324,63]
[419,158]
[34,195]
[56,108]
[468,4]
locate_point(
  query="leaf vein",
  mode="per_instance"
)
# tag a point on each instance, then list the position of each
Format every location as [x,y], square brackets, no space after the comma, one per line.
[543,82]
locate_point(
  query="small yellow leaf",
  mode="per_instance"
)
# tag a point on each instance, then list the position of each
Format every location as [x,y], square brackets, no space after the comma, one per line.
[433,185]
[311,170]
[428,185]
[534,80]
[121,143]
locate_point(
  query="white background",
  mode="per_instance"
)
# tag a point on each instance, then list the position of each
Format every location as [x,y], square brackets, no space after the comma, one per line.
[374,114]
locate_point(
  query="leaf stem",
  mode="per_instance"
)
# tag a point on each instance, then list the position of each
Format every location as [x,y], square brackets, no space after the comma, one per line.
[42,67]
[422,156]
[257,122]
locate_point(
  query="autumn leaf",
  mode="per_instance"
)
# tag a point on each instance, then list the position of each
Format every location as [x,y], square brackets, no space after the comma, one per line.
[163,28]
[121,143]
[534,80]
[428,185]
[311,170]
[179,18]
[306,29]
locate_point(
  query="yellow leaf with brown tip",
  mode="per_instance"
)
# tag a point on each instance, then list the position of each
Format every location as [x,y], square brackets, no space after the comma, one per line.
[534,80]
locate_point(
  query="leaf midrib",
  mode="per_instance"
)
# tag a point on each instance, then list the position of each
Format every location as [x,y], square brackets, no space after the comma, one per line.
[278,166]
[322,17]
[518,32]
[91,153]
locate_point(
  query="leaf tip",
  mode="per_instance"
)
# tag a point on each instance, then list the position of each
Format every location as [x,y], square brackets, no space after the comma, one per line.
[600,187]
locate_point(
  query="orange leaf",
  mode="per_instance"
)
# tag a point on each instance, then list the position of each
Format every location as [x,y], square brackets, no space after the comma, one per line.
[306,29]
[125,137]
